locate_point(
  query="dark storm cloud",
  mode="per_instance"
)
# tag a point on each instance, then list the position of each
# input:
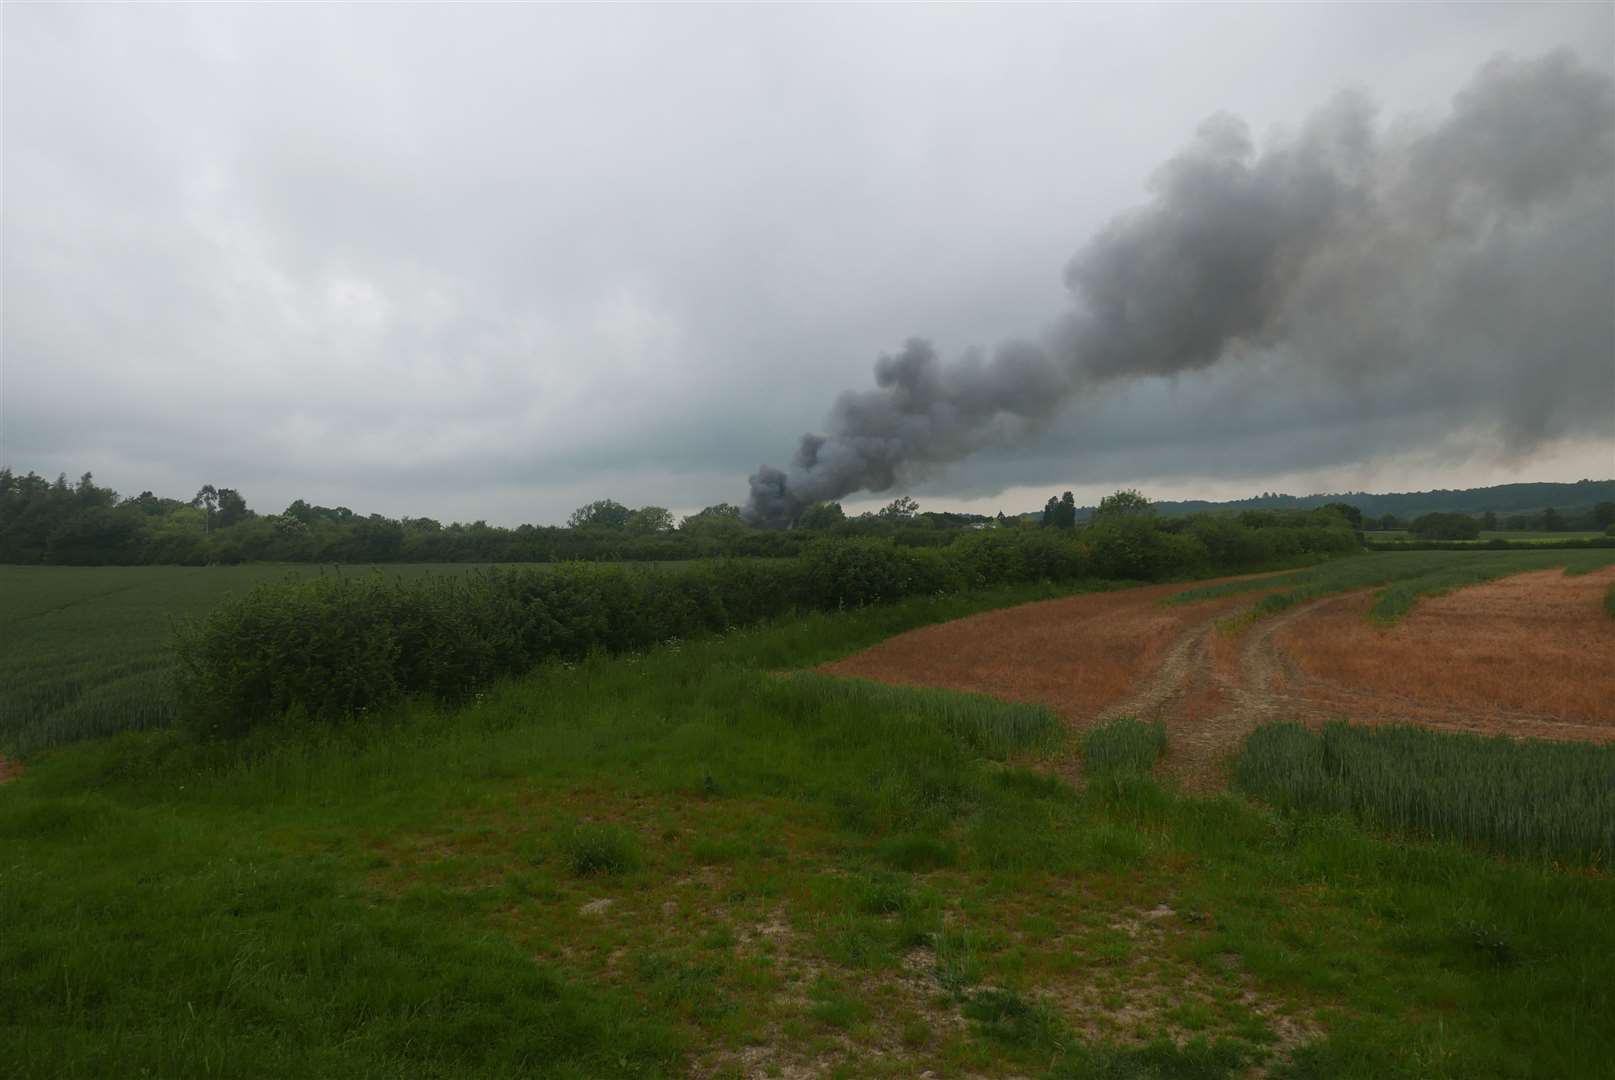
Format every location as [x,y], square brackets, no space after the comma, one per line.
[1473,254]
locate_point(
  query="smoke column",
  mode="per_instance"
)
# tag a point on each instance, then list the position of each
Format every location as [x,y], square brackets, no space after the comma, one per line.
[1485,239]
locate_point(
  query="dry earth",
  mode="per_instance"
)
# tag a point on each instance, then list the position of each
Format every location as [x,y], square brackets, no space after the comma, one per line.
[1529,655]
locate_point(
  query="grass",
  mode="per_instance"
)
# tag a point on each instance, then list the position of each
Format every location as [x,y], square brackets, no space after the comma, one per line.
[599,849]
[1400,577]
[1123,745]
[684,862]
[1526,797]
[1518,536]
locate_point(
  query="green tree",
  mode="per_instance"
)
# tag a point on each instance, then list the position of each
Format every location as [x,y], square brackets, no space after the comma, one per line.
[1060,513]
[713,520]
[1552,520]
[1123,504]
[207,500]
[232,507]
[1604,515]
[1445,527]
[650,521]
[821,515]
[900,509]
[1488,521]
[1346,510]
[600,514]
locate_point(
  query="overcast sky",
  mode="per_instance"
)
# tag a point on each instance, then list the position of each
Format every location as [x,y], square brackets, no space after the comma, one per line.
[496,261]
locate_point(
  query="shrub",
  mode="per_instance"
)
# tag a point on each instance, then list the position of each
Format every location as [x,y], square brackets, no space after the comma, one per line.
[853,573]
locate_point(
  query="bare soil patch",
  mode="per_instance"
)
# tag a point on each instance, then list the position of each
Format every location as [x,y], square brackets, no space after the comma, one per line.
[1529,655]
[9,770]
[1081,655]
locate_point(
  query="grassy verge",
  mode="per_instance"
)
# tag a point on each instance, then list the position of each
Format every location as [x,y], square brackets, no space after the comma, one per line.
[1400,577]
[684,862]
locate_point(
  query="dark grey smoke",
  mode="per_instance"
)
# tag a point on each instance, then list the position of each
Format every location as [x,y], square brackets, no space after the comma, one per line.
[1480,250]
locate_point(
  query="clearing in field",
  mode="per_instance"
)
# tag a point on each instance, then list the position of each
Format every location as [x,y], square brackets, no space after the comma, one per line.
[1525,655]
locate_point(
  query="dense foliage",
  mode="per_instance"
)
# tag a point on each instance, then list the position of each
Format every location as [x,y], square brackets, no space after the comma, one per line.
[84,524]
[1517,506]
[1527,797]
[336,645]
[1441,526]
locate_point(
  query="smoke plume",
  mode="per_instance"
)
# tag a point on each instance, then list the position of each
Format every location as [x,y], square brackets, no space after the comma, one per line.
[1479,248]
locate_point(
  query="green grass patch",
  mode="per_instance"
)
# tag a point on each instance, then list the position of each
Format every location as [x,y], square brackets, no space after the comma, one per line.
[816,871]
[599,849]
[1519,797]
[1123,745]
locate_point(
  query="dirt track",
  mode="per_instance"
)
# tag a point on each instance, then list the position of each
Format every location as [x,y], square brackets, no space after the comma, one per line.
[1531,655]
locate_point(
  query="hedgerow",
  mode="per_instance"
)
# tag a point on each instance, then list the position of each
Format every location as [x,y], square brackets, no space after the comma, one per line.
[338,645]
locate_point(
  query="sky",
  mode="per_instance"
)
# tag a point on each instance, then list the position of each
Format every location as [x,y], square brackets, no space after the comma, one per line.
[493,262]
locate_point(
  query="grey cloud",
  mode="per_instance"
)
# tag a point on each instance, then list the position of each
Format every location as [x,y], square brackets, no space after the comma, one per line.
[479,261]
[1477,252]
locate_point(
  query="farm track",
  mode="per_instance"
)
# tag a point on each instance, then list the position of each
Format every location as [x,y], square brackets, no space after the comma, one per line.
[1212,681]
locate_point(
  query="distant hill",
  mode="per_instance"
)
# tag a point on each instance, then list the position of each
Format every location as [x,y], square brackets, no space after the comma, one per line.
[1501,499]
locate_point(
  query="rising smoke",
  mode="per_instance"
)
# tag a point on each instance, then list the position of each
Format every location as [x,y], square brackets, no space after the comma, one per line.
[1481,247]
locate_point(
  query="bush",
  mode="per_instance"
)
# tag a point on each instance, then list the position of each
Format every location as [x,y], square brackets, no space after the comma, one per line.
[338,645]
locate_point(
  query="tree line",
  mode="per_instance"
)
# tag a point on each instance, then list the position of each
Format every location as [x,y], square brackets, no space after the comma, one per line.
[85,524]
[1454,526]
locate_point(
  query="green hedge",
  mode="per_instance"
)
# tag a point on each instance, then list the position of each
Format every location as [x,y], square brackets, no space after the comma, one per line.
[338,645]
